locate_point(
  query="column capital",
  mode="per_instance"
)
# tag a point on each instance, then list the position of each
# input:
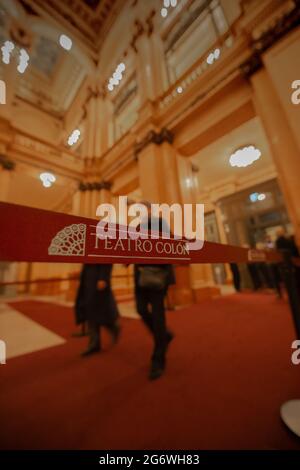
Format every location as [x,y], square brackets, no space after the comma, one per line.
[141,28]
[268,38]
[153,137]
[6,163]
[103,185]
[94,185]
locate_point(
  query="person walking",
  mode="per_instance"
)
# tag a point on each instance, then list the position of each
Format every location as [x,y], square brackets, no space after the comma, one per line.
[236,277]
[151,286]
[95,303]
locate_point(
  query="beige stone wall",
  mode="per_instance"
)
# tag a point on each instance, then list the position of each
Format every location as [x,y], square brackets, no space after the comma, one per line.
[168,153]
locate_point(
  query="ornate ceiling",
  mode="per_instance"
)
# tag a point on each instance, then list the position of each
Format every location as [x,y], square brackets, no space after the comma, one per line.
[45,55]
[53,76]
[90,19]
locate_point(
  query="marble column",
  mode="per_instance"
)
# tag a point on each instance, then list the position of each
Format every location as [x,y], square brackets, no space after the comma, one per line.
[282,141]
[87,201]
[160,162]
[5,181]
[193,283]
[76,202]
[82,201]
[10,78]
[283,68]
[151,67]
[95,200]
[102,126]
[223,236]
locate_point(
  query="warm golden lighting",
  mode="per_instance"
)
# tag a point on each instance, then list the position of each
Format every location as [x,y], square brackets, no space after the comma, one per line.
[47,179]
[65,42]
[73,138]
[23,61]
[6,50]
[244,156]
[116,76]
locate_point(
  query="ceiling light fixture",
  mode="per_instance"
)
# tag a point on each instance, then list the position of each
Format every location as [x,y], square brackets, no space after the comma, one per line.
[2,92]
[254,197]
[244,156]
[189,182]
[73,138]
[116,76]
[47,179]
[6,50]
[65,42]
[23,61]
[213,56]
[166,5]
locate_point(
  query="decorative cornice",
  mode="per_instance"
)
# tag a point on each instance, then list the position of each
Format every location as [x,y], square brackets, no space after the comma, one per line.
[6,163]
[153,137]
[283,26]
[139,30]
[251,65]
[149,23]
[94,186]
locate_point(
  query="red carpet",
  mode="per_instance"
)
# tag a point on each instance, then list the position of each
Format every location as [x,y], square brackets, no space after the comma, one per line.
[229,370]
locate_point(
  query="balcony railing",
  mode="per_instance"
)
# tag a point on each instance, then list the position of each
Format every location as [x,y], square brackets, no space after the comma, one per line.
[197,69]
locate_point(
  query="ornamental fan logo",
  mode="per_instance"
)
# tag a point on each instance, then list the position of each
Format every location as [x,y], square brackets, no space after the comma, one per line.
[69,242]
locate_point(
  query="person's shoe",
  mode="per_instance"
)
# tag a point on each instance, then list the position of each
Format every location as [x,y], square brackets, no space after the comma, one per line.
[156,371]
[79,334]
[90,351]
[115,333]
[170,337]
[82,332]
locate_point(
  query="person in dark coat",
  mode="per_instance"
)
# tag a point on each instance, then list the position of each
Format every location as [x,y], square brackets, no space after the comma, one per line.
[236,276]
[79,311]
[254,275]
[96,304]
[288,245]
[151,307]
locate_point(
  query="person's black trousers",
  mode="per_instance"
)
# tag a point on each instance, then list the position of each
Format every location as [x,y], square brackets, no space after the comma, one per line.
[236,276]
[254,274]
[150,306]
[94,332]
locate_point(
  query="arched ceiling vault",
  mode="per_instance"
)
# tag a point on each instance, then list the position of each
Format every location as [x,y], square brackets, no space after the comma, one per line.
[54,75]
[88,20]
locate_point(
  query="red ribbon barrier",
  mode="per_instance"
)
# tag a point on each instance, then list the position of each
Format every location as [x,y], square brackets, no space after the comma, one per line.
[48,280]
[38,281]
[36,235]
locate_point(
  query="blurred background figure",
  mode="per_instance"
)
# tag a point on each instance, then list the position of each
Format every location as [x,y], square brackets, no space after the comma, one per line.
[95,304]
[285,242]
[236,276]
[288,245]
[80,318]
[254,275]
[263,269]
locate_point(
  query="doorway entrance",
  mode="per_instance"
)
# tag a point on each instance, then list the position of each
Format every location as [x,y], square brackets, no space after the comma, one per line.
[253,214]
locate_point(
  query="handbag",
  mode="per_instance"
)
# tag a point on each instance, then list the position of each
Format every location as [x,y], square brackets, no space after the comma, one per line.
[152,277]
